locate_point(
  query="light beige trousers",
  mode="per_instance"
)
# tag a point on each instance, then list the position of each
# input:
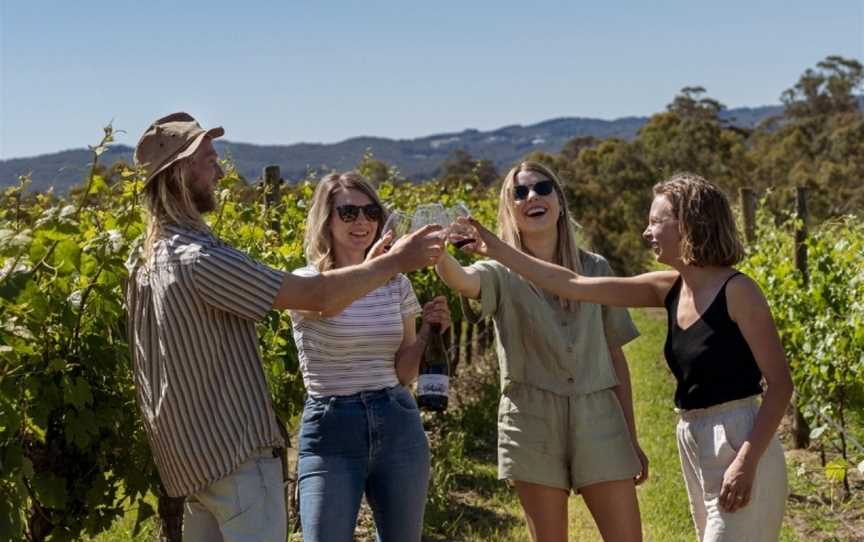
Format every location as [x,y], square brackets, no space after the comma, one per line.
[708,441]
[248,505]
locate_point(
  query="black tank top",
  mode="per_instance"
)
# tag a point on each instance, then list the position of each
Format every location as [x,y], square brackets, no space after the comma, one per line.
[710,359]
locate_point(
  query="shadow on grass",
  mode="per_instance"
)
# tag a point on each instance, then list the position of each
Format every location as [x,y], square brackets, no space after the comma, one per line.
[478,520]
[480,484]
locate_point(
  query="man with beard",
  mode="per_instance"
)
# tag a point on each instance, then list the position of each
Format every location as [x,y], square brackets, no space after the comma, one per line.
[192,303]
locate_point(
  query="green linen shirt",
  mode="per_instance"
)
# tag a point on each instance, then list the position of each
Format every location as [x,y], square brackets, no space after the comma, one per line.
[545,345]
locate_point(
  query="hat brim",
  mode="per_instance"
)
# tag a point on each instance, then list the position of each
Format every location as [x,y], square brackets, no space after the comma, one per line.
[187,151]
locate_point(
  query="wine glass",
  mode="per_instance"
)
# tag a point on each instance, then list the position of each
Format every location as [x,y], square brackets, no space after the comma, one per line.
[398,223]
[429,213]
[462,233]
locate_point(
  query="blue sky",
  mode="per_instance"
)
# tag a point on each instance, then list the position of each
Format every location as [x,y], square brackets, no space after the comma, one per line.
[292,71]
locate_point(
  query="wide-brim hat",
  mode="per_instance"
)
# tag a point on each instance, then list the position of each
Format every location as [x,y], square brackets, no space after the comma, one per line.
[168,140]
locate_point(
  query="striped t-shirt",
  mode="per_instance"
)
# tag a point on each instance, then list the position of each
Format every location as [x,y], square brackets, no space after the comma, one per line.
[197,368]
[355,350]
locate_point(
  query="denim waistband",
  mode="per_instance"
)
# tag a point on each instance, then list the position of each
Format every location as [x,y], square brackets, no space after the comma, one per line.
[360,397]
[696,413]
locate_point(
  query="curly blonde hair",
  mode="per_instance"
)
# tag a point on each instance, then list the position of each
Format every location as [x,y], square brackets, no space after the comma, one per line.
[709,235]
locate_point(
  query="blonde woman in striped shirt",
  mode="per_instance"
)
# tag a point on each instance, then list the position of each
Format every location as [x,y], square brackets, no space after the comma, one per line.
[361,431]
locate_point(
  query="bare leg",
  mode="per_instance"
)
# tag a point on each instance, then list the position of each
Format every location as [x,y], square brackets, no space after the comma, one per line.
[615,510]
[545,510]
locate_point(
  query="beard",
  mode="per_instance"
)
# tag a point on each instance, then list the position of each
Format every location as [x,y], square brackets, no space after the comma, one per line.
[204,200]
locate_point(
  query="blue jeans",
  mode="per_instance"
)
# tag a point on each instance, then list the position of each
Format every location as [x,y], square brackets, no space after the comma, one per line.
[370,442]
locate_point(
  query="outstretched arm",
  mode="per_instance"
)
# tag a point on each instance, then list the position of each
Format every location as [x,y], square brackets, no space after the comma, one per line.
[646,290]
[462,279]
[334,290]
[376,250]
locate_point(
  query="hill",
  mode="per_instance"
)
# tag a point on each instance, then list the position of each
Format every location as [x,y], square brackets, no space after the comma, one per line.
[418,158]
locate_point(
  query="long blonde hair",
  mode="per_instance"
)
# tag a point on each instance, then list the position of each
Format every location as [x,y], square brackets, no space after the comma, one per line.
[705,220]
[318,240]
[168,199]
[567,252]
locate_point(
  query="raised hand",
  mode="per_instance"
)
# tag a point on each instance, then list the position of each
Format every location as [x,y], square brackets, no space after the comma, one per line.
[471,236]
[381,246]
[418,249]
[436,312]
[459,234]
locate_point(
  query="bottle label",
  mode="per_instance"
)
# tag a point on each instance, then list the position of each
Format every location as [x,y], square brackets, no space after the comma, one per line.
[429,384]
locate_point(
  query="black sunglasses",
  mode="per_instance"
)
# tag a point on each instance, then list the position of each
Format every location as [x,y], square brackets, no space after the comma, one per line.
[349,213]
[541,188]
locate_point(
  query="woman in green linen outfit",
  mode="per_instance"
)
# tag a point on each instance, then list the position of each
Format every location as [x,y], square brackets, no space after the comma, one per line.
[565,419]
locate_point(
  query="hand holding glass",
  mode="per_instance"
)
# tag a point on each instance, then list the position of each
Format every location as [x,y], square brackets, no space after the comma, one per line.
[459,233]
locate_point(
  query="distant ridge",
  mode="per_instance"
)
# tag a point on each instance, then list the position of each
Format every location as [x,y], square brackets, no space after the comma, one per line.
[417,159]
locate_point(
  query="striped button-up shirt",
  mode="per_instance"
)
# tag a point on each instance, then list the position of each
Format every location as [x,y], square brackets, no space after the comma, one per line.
[198,375]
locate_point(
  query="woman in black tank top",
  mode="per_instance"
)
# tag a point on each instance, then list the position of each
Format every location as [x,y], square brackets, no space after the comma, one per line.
[710,359]
[721,343]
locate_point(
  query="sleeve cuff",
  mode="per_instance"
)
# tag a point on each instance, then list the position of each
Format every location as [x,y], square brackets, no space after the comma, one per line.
[623,335]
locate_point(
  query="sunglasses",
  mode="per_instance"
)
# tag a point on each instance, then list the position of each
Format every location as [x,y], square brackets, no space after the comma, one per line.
[349,213]
[541,188]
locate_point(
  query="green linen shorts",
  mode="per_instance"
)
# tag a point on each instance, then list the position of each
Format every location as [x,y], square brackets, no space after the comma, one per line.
[567,442]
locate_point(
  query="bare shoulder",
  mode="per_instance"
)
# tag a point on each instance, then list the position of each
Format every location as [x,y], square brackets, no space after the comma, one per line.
[744,297]
[742,287]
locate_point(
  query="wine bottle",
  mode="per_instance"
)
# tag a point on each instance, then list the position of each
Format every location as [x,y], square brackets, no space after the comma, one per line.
[434,380]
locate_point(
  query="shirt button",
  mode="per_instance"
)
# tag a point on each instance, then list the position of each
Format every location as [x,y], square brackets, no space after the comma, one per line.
[570,349]
[570,380]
